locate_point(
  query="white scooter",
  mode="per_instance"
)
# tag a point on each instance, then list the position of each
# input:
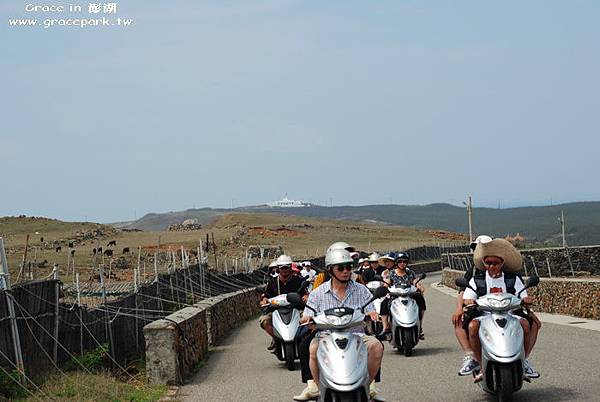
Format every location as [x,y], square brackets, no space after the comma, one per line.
[404,317]
[502,339]
[376,326]
[342,354]
[286,327]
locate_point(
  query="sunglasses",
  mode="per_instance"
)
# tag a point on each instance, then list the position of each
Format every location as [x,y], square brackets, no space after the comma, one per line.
[493,263]
[285,267]
[345,267]
[401,262]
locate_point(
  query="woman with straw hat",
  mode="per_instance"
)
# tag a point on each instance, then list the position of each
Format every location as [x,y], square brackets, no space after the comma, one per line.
[498,263]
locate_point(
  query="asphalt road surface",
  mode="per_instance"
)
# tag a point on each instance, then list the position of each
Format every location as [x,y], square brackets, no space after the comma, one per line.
[241,369]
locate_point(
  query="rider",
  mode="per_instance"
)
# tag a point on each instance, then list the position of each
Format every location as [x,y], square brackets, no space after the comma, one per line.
[497,263]
[368,272]
[341,291]
[308,273]
[311,391]
[469,363]
[402,275]
[284,283]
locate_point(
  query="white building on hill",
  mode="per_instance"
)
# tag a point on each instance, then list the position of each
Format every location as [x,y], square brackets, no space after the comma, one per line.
[287,203]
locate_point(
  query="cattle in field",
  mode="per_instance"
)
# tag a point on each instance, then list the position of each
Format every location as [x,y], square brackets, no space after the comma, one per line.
[108,253]
[99,250]
[111,243]
[126,250]
[94,251]
[57,249]
[70,244]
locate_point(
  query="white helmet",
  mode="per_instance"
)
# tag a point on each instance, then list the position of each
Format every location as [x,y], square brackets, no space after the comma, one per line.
[340,245]
[273,264]
[283,260]
[338,256]
[482,239]
[374,257]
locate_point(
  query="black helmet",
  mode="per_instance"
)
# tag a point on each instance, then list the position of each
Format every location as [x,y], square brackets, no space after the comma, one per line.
[402,257]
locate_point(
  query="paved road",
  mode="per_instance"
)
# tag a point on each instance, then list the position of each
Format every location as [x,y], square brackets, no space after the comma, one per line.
[242,369]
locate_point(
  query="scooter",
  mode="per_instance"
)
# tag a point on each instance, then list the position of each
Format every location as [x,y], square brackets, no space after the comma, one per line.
[502,340]
[342,354]
[404,317]
[376,326]
[287,329]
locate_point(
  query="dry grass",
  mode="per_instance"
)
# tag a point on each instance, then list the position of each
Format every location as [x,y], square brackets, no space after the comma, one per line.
[233,233]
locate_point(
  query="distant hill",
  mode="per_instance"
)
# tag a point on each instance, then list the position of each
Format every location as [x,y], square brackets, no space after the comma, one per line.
[537,224]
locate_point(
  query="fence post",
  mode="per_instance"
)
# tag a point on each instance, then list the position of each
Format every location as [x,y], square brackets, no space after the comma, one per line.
[80,314]
[549,270]
[5,285]
[135,292]
[56,312]
[107,325]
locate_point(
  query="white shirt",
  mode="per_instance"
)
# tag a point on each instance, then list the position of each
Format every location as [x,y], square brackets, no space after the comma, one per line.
[310,273]
[494,285]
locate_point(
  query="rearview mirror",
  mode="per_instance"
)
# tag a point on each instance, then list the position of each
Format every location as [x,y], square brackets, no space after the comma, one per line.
[294,299]
[532,281]
[378,278]
[380,292]
[462,283]
[422,276]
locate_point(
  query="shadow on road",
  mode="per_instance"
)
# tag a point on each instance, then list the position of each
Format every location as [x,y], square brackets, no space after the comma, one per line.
[548,393]
[419,351]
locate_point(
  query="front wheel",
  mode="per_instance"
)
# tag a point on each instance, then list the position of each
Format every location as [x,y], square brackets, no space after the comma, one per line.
[289,356]
[408,341]
[358,395]
[504,382]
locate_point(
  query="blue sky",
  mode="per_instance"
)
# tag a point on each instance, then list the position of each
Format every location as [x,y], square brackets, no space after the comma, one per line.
[199,103]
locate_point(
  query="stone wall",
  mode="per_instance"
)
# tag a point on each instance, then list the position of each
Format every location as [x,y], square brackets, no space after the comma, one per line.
[430,266]
[176,344]
[546,262]
[569,296]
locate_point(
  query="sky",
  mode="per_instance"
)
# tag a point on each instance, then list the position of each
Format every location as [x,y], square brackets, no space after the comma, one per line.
[238,102]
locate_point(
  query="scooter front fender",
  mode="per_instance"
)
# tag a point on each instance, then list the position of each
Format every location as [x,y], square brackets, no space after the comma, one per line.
[404,315]
[501,344]
[286,332]
[342,368]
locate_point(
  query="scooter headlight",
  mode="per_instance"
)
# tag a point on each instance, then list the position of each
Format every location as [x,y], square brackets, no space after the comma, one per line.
[339,321]
[502,303]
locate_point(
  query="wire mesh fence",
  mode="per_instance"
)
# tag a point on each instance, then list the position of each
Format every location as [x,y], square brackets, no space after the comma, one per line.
[54,326]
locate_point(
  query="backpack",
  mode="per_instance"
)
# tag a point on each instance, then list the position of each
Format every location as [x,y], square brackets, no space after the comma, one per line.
[479,277]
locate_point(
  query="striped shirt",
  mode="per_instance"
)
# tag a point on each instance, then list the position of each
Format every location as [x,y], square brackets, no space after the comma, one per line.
[323,298]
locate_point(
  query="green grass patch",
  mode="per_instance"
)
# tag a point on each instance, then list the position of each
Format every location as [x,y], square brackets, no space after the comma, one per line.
[102,387]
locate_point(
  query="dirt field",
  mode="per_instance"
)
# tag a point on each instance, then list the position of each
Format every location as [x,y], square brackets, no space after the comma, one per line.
[300,237]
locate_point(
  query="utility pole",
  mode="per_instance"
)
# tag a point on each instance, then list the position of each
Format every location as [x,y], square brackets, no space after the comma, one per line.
[562,226]
[469,206]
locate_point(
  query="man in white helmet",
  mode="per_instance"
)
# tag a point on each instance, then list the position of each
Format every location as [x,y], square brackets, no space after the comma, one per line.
[341,291]
[284,283]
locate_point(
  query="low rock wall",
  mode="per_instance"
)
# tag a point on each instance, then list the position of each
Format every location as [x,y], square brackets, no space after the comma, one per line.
[430,266]
[545,262]
[569,296]
[176,344]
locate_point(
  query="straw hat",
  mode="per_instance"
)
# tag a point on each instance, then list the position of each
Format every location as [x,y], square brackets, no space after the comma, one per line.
[391,256]
[513,262]
[374,257]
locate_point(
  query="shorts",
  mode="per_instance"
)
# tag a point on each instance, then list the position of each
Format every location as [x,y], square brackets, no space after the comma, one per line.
[265,319]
